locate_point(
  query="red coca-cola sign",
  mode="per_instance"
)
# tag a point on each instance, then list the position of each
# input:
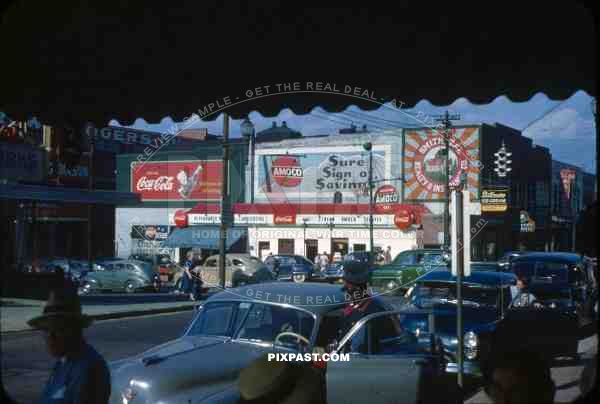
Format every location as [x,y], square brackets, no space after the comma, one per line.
[284,219]
[181,218]
[403,219]
[287,171]
[177,180]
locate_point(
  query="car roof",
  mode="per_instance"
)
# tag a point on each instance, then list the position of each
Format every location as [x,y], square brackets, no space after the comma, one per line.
[234,255]
[318,298]
[479,277]
[562,257]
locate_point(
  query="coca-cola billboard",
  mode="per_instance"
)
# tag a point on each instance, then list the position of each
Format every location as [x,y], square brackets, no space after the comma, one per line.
[177,180]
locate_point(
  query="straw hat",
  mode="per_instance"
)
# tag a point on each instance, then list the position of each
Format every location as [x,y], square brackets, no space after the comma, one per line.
[63,309]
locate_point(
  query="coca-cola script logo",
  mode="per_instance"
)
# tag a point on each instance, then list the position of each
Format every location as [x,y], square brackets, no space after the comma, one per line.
[177,180]
[160,184]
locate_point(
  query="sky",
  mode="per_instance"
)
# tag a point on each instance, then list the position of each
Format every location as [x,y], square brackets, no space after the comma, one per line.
[566,127]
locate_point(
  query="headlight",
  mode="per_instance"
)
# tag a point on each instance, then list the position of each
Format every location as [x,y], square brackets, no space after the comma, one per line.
[471,345]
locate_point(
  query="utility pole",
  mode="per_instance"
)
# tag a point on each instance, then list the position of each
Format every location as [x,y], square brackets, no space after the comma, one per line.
[446,121]
[90,133]
[369,147]
[225,205]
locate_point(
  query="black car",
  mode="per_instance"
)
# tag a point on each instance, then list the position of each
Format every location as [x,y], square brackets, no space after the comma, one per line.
[490,321]
[486,298]
[335,271]
[291,268]
[564,282]
[505,261]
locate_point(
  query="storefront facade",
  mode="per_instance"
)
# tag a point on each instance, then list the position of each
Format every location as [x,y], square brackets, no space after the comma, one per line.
[168,182]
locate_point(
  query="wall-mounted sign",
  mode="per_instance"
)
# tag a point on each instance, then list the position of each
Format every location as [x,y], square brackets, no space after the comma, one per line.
[150,232]
[204,218]
[318,173]
[287,171]
[403,219]
[180,218]
[567,176]
[177,180]
[22,163]
[494,200]
[424,162]
[284,219]
[360,220]
[252,219]
[386,198]
[526,222]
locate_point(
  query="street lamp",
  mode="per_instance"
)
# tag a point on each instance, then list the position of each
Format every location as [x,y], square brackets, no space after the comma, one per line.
[369,147]
[247,129]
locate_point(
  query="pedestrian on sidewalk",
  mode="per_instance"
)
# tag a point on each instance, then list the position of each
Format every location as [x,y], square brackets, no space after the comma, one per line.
[388,255]
[80,374]
[188,278]
[323,261]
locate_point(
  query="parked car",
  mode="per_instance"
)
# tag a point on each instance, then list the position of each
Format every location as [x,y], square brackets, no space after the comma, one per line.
[73,268]
[232,330]
[563,281]
[292,268]
[335,271]
[163,265]
[240,269]
[397,277]
[507,258]
[120,276]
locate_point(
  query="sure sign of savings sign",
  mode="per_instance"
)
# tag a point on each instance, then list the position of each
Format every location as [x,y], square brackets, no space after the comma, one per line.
[386,198]
[177,180]
[287,171]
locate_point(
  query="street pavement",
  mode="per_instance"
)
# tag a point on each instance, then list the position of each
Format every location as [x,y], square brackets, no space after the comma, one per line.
[14,313]
[26,364]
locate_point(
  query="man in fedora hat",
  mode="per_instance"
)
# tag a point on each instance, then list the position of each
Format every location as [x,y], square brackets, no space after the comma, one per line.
[359,301]
[80,374]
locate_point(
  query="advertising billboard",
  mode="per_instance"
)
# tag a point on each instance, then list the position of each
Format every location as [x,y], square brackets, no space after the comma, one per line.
[424,167]
[309,173]
[177,180]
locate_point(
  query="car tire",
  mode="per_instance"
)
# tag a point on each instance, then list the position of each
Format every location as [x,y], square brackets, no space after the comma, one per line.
[299,278]
[129,287]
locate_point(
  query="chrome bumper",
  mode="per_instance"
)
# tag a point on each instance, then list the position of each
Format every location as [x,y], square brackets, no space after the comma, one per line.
[469,368]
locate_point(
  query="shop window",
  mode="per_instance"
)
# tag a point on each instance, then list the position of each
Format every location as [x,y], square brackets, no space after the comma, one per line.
[359,247]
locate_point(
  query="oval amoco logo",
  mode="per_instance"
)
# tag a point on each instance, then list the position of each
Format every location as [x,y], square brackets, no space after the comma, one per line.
[287,171]
[385,198]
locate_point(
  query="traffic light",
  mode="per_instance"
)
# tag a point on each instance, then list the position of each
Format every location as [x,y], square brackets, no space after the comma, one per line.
[502,162]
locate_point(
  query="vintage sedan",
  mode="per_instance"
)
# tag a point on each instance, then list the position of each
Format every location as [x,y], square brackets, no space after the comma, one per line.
[236,327]
[120,276]
[291,268]
[565,282]
[397,277]
[240,269]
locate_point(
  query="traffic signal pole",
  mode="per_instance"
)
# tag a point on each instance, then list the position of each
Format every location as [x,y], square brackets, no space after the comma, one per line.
[224,201]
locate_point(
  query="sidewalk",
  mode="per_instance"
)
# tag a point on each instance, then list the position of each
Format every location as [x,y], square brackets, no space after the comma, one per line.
[14,313]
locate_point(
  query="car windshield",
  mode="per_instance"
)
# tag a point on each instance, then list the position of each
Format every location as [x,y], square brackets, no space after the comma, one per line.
[542,271]
[428,294]
[256,322]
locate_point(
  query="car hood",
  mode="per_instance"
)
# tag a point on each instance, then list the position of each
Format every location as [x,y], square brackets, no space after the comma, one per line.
[474,319]
[202,366]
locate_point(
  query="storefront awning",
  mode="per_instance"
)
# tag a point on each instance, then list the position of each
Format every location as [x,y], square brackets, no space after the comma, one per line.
[201,237]
[67,195]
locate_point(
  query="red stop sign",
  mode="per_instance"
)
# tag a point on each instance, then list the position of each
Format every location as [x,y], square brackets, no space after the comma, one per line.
[386,198]
[403,219]
[287,171]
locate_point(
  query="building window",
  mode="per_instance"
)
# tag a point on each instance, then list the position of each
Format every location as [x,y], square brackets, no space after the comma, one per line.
[285,246]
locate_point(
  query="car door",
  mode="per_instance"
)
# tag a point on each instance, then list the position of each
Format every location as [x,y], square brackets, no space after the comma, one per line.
[382,367]
[102,276]
[119,276]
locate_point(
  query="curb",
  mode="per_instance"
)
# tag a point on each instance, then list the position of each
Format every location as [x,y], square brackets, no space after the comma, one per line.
[124,314]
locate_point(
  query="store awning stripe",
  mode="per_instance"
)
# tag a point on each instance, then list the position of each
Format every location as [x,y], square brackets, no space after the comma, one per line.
[201,237]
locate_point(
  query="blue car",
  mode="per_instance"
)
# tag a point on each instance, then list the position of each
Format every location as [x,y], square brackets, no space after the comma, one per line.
[291,268]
